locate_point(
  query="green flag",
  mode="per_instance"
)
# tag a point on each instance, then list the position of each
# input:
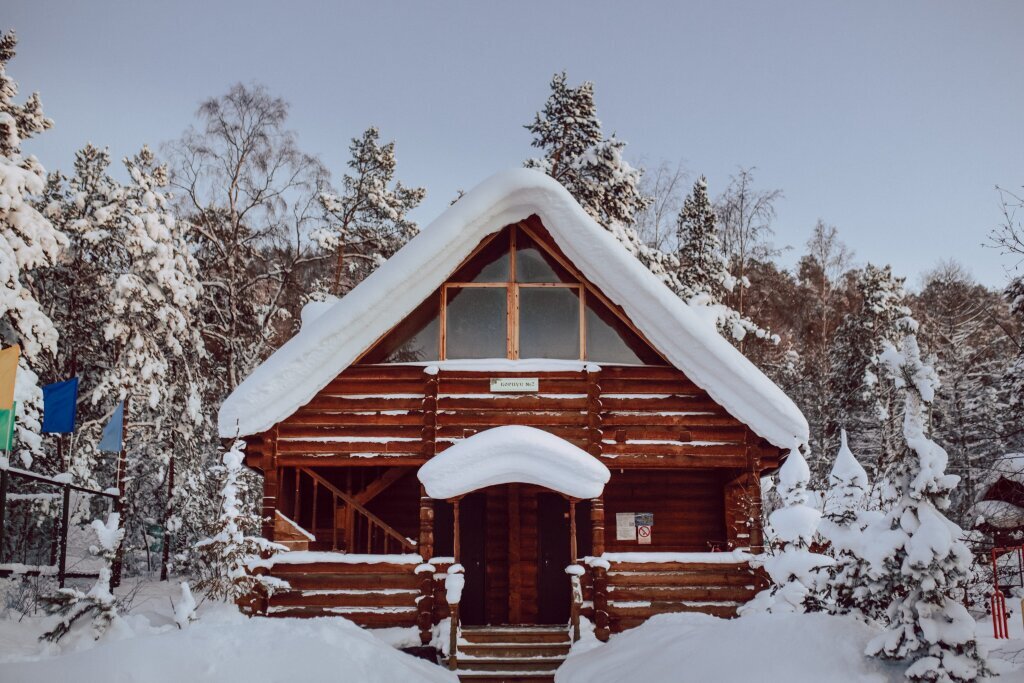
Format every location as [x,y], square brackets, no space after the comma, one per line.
[7,427]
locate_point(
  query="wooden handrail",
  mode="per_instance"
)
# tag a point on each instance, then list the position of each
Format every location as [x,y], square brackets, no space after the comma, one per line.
[350,501]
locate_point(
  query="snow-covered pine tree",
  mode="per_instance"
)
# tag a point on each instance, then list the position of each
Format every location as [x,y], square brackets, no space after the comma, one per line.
[28,241]
[221,559]
[72,604]
[963,327]
[867,402]
[842,526]
[367,219]
[797,573]
[704,278]
[591,168]
[84,207]
[920,559]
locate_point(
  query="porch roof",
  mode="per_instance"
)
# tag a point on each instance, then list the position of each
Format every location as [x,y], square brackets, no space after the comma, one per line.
[513,454]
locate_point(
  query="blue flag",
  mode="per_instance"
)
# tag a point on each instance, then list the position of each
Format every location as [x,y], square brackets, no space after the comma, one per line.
[113,432]
[60,403]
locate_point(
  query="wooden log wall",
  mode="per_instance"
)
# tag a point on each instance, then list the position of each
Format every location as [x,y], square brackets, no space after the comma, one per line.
[647,417]
[688,506]
[652,417]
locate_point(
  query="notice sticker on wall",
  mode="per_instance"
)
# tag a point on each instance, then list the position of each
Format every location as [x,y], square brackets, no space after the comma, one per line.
[625,526]
[643,534]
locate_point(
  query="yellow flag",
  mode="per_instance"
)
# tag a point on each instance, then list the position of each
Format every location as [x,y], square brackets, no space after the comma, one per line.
[8,370]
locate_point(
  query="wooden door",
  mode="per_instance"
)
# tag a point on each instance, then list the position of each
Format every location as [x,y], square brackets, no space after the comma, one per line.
[473,555]
[553,587]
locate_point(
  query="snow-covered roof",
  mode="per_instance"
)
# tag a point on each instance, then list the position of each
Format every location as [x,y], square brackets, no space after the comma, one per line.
[513,454]
[330,343]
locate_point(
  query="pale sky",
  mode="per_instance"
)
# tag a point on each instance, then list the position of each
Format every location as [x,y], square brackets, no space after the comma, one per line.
[892,120]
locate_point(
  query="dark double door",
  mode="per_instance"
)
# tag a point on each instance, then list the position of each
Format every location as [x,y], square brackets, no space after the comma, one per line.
[514,548]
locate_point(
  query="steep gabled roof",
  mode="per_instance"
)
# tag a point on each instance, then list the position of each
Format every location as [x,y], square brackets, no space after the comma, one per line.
[297,371]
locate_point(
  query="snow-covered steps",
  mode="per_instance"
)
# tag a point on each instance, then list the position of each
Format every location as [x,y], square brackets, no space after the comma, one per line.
[375,594]
[488,654]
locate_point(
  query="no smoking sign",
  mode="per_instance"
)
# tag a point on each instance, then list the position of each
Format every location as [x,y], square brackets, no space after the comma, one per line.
[643,534]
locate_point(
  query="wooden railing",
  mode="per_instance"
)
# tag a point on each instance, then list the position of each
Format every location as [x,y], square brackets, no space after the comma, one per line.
[375,528]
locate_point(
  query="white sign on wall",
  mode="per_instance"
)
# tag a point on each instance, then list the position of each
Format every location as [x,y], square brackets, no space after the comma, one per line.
[625,526]
[514,384]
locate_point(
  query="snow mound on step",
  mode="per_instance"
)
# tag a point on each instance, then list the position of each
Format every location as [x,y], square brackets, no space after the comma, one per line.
[794,648]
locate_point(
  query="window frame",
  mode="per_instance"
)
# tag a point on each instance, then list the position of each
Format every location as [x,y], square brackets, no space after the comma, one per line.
[512,287]
[583,289]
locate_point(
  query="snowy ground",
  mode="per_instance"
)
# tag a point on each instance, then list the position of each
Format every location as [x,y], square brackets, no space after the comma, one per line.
[226,647]
[222,646]
[807,648]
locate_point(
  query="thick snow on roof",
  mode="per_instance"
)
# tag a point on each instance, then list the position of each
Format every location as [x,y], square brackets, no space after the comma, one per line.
[328,344]
[510,454]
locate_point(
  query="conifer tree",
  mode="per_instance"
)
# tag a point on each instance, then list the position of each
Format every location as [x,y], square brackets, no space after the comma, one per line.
[222,557]
[704,278]
[797,573]
[28,241]
[72,604]
[920,559]
[866,400]
[368,219]
[591,168]
[843,525]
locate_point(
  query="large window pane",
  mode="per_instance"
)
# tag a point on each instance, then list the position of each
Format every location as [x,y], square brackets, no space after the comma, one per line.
[417,338]
[533,264]
[609,340]
[549,322]
[490,264]
[476,325]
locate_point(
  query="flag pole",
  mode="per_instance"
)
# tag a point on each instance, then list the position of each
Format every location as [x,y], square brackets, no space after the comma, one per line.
[122,464]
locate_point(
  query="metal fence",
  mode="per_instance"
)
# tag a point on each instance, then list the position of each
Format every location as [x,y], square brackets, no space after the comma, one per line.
[58,555]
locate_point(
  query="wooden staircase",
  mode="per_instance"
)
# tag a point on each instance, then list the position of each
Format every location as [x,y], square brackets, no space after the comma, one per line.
[501,654]
[374,595]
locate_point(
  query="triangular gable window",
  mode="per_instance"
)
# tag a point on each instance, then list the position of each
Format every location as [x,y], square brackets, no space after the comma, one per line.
[513,298]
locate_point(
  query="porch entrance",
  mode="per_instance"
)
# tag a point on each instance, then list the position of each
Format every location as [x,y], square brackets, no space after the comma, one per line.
[514,543]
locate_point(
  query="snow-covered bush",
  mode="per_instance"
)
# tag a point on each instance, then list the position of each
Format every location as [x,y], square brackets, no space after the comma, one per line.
[185,608]
[221,558]
[72,604]
[798,575]
[843,527]
[918,556]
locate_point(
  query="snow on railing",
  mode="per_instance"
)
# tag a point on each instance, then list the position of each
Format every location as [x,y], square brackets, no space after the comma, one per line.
[453,584]
[575,571]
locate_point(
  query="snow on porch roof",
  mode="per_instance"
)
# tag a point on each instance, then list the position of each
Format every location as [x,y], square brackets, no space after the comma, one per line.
[513,454]
[327,345]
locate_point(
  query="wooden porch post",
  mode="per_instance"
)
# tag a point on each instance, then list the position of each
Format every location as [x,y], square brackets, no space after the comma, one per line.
[602,628]
[425,605]
[271,480]
[572,531]
[455,531]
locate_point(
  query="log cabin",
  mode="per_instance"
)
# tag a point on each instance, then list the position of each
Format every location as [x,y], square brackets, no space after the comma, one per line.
[515,398]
